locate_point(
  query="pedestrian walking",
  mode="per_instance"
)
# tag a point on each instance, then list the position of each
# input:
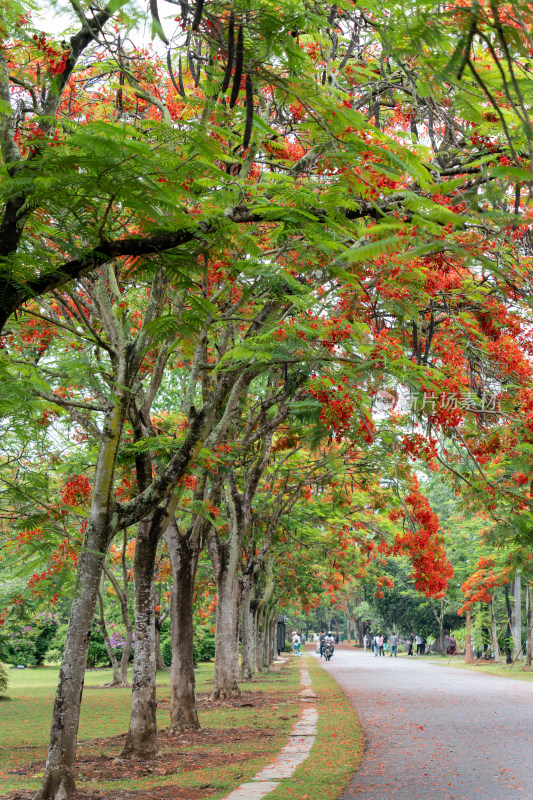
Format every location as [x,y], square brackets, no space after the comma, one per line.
[296,644]
[394,645]
[381,645]
[418,642]
[375,644]
[365,643]
[410,641]
[452,644]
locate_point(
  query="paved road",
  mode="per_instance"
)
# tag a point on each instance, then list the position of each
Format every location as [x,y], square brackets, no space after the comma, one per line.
[437,733]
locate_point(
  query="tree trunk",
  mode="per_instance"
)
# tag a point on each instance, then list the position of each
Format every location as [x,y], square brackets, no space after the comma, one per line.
[528,625]
[468,647]
[266,641]
[508,630]
[141,741]
[273,635]
[258,636]
[517,617]
[248,638]
[126,653]
[226,644]
[441,628]
[117,680]
[184,560]
[58,780]
[494,633]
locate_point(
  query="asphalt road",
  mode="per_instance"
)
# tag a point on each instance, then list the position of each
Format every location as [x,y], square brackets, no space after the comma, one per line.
[437,733]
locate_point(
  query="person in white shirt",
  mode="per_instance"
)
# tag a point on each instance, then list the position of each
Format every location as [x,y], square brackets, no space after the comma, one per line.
[329,639]
[296,644]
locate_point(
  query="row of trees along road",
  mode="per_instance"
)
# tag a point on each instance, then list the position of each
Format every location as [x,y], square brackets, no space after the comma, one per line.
[221,253]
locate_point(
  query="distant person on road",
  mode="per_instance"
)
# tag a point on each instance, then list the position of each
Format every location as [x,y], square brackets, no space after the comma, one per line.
[296,644]
[452,644]
[418,642]
[375,644]
[394,645]
[410,641]
[380,644]
[385,644]
[365,643]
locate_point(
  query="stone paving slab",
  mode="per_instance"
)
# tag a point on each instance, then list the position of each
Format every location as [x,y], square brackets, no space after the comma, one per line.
[252,791]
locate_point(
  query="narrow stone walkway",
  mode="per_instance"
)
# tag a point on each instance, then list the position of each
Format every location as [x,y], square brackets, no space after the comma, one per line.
[296,750]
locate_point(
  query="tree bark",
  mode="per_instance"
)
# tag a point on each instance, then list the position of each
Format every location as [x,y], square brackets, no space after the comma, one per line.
[468,647]
[141,740]
[494,633]
[226,644]
[517,617]
[58,781]
[528,625]
[442,649]
[508,629]
[184,559]
[248,638]
[258,637]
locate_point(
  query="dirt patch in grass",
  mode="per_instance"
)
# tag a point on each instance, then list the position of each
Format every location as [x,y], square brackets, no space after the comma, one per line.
[98,766]
[180,754]
[155,793]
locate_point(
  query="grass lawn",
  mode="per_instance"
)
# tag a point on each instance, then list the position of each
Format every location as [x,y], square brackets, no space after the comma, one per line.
[518,672]
[236,741]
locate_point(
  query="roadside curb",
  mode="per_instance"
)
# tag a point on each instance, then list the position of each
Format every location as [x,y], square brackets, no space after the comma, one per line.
[292,754]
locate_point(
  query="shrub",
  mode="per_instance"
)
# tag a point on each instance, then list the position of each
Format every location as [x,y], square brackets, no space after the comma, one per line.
[206,647]
[28,644]
[4,678]
[21,651]
[166,651]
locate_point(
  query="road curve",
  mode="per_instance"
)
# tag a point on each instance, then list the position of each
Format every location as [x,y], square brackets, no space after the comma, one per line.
[437,733]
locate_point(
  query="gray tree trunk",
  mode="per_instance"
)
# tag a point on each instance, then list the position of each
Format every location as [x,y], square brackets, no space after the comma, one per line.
[141,740]
[494,633]
[528,625]
[258,637]
[226,645]
[58,780]
[248,635]
[517,617]
[184,560]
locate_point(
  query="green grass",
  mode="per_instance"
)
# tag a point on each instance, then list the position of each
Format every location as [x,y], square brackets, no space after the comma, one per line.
[518,672]
[25,722]
[338,748]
